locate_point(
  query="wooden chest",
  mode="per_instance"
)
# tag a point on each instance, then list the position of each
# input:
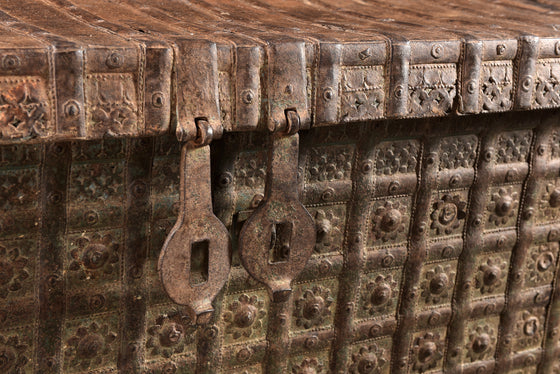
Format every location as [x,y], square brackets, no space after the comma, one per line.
[279,186]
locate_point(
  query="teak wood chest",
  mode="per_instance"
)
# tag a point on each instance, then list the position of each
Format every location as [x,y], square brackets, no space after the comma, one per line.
[259,186]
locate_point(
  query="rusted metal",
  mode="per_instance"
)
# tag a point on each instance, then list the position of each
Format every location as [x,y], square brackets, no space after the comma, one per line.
[278,239]
[197,232]
[279,186]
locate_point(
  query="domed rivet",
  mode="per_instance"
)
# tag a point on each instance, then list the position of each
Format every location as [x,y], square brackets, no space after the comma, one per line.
[247,96]
[437,51]
[10,62]
[526,83]
[114,60]
[501,49]
[71,108]
[157,100]
[399,91]
[471,86]
[328,94]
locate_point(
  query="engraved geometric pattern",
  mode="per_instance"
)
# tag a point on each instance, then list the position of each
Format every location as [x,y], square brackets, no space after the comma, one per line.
[546,91]
[432,89]
[362,95]
[497,86]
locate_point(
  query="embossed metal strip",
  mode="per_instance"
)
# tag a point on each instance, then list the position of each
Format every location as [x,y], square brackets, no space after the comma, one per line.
[137,239]
[528,49]
[397,95]
[52,301]
[196,89]
[470,76]
[328,83]
[509,323]
[417,245]
[472,245]
[287,84]
[209,351]
[354,250]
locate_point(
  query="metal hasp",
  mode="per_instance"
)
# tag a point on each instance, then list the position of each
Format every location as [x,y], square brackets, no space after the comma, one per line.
[197,233]
[278,239]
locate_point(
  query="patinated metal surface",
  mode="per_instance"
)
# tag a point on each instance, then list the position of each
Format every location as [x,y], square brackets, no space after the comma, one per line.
[436,250]
[279,186]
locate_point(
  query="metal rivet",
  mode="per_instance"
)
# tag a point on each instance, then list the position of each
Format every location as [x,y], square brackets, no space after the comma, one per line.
[157,99]
[488,155]
[541,150]
[394,187]
[328,94]
[399,91]
[471,86]
[437,51]
[10,62]
[501,241]
[388,260]
[528,213]
[526,83]
[501,49]
[247,96]
[311,342]
[455,180]
[289,89]
[325,267]
[114,60]
[447,251]
[225,179]
[434,318]
[529,360]
[374,330]
[71,108]
[367,166]
[243,354]
[328,194]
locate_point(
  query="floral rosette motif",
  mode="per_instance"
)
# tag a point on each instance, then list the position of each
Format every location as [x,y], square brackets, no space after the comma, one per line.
[368,360]
[98,254]
[13,270]
[379,295]
[448,214]
[427,351]
[89,347]
[529,330]
[503,206]
[541,265]
[389,221]
[491,275]
[549,203]
[170,334]
[437,285]
[480,343]
[244,316]
[313,307]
